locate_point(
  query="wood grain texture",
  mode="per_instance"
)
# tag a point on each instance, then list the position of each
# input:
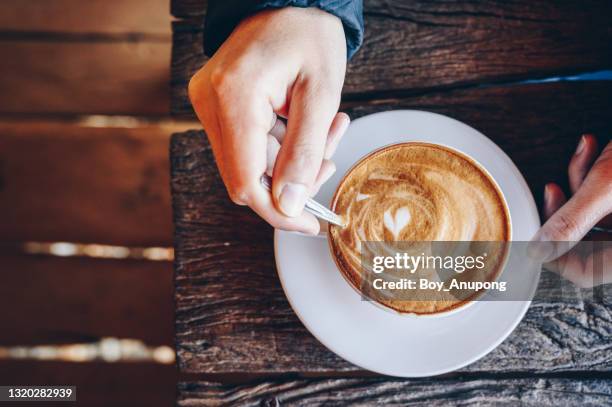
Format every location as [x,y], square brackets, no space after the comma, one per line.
[137,17]
[98,384]
[423,45]
[68,182]
[231,313]
[46,299]
[188,8]
[427,392]
[81,76]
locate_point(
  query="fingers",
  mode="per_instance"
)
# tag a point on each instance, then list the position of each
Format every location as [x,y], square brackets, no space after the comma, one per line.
[244,124]
[328,168]
[588,270]
[569,224]
[591,202]
[336,131]
[204,105]
[581,161]
[263,205]
[273,147]
[301,154]
[253,194]
[603,171]
[278,129]
[554,198]
[244,128]
[261,69]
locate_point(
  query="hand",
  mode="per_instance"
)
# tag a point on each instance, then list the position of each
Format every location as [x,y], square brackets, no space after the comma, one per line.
[590,179]
[288,62]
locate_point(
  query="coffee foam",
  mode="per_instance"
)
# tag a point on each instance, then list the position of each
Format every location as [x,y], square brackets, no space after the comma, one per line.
[415,192]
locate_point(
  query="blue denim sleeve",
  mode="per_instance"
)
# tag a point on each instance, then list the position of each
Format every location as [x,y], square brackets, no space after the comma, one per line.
[222,16]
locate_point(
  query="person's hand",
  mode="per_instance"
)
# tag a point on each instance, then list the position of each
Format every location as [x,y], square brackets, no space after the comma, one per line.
[290,63]
[590,180]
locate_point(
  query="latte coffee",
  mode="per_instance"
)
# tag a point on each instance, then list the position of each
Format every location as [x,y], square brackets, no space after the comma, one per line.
[418,192]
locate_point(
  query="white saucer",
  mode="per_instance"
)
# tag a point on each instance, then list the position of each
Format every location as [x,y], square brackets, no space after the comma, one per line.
[371,337]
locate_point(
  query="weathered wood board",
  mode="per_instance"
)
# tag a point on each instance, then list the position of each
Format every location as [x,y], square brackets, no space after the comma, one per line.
[47,299]
[216,321]
[81,76]
[416,46]
[464,59]
[537,392]
[71,182]
[40,17]
[63,181]
[99,384]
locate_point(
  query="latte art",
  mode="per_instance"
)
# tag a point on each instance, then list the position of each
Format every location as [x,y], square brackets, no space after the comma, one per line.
[415,192]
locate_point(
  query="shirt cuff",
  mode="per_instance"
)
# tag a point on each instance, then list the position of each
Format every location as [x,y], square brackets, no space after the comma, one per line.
[224,15]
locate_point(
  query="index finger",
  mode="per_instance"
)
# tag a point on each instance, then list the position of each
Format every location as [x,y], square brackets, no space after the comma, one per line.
[244,123]
[244,127]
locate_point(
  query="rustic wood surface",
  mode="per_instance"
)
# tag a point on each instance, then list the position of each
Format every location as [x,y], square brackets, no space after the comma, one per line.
[464,59]
[79,183]
[66,300]
[137,17]
[99,384]
[74,57]
[537,392]
[62,180]
[215,319]
[434,44]
[114,77]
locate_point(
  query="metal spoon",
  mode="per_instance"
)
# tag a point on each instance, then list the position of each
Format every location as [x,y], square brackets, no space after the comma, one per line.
[311,206]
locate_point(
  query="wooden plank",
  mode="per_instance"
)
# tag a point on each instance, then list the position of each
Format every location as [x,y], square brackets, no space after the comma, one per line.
[46,299]
[187,57]
[552,392]
[69,182]
[149,17]
[99,384]
[214,326]
[423,45]
[72,77]
[188,8]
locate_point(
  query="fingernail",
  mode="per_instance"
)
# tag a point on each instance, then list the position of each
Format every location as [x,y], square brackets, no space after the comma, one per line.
[292,199]
[581,145]
[547,197]
[342,130]
[540,248]
[272,148]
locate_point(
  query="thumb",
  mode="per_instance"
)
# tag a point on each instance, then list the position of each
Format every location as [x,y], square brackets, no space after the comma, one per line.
[301,154]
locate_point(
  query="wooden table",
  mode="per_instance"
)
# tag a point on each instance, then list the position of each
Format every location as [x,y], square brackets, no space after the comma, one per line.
[238,341]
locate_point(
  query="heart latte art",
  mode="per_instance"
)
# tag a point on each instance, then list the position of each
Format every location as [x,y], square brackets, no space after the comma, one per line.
[417,192]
